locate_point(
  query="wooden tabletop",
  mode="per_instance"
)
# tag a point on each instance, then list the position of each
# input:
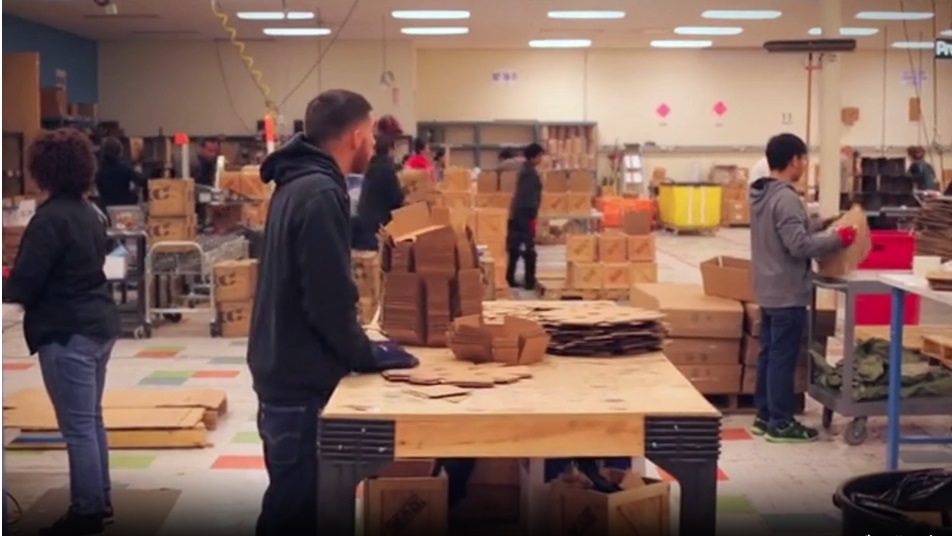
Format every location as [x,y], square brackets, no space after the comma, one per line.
[570,407]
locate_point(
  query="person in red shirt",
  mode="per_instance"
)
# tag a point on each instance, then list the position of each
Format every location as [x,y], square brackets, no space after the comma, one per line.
[420,159]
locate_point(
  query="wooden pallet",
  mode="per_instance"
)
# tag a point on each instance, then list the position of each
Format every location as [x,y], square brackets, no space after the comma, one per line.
[554,289]
[938,348]
[743,404]
[736,225]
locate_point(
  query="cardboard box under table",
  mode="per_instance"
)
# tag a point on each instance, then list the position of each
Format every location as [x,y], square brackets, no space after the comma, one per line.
[561,412]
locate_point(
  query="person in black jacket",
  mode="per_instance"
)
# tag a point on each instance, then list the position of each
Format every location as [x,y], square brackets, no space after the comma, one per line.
[118,183]
[520,236]
[380,194]
[304,334]
[70,318]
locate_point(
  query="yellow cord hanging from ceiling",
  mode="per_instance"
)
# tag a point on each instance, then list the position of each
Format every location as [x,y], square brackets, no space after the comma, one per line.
[246,58]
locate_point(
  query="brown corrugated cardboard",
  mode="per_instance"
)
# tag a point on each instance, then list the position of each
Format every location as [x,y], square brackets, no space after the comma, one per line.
[235,280]
[825,316]
[846,261]
[579,203]
[555,181]
[613,247]
[554,203]
[643,272]
[689,312]
[235,318]
[404,498]
[172,229]
[642,507]
[728,277]
[585,275]
[517,341]
[507,181]
[487,182]
[636,223]
[171,197]
[690,352]
[641,248]
[581,248]
[615,275]
[581,182]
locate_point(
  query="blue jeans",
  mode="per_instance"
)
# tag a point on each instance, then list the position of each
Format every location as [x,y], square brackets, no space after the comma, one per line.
[781,337]
[75,375]
[288,431]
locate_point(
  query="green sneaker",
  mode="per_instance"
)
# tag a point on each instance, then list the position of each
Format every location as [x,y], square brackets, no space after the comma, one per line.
[759,428]
[792,433]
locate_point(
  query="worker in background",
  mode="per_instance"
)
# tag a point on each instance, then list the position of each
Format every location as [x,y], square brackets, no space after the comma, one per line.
[520,235]
[922,172]
[70,318]
[117,181]
[420,159]
[509,160]
[304,333]
[379,196]
[204,168]
[439,164]
[783,241]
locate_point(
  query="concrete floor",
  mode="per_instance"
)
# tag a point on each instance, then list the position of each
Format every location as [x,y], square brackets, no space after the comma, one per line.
[763,486]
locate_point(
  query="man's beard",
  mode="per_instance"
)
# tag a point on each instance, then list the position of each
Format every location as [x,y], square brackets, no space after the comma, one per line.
[361,161]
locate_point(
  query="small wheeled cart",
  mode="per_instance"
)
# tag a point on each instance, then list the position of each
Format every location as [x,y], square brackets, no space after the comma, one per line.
[125,272]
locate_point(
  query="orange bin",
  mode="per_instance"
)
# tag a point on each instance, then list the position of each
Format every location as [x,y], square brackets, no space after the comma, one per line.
[614,208]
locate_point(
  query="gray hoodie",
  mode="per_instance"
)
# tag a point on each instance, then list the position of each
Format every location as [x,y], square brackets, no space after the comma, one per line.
[783,242]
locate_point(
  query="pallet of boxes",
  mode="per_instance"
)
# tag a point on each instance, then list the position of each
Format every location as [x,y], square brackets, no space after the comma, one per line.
[456,190]
[489,221]
[247,184]
[735,205]
[565,194]
[171,218]
[234,283]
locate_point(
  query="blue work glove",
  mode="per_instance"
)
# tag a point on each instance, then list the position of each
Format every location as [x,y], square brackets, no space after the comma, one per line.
[389,355]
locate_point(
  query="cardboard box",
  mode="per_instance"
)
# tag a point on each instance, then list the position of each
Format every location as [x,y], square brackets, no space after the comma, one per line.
[554,204]
[641,248]
[433,243]
[825,316]
[728,277]
[172,228]
[456,179]
[581,182]
[579,203]
[585,275]
[735,213]
[404,498]
[235,318]
[53,102]
[235,280]
[487,182]
[641,508]
[507,181]
[484,200]
[846,261]
[501,200]
[636,222]
[612,247]
[491,224]
[642,272]
[693,352]
[517,341]
[456,200]
[616,275]
[403,308]
[581,248]
[714,379]
[171,197]
[555,181]
[749,382]
[689,313]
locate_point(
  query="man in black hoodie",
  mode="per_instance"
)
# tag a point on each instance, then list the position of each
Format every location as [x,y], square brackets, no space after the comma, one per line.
[520,235]
[304,331]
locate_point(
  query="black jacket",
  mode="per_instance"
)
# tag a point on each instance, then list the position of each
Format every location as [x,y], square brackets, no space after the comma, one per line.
[528,196]
[379,195]
[58,275]
[203,171]
[118,183]
[304,331]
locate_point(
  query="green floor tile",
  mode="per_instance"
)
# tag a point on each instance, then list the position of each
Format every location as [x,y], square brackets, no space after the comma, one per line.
[130,461]
[177,374]
[734,504]
[246,437]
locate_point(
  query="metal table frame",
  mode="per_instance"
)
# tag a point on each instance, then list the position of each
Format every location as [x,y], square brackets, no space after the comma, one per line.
[900,286]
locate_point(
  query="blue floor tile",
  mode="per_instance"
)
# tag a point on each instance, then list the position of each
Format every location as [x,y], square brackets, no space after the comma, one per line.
[171,382]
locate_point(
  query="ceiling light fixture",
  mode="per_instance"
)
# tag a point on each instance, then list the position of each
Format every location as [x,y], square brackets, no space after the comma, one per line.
[430,14]
[848,32]
[275,15]
[742,14]
[914,45]
[296,32]
[681,43]
[895,15]
[435,31]
[560,43]
[708,30]
[586,15]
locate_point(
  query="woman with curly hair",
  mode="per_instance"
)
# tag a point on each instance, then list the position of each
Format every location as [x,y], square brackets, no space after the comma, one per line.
[70,318]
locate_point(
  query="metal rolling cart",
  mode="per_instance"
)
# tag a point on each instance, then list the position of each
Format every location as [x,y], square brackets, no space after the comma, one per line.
[128,281]
[843,401]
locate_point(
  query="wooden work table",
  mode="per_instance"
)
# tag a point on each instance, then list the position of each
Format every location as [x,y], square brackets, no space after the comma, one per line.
[571,407]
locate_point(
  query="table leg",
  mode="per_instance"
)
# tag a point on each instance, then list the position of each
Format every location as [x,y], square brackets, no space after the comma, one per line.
[698,482]
[348,452]
[895,379]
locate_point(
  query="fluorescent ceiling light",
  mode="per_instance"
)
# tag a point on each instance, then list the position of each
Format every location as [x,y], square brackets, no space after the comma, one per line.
[708,30]
[946,33]
[296,32]
[275,15]
[742,14]
[586,15]
[914,45]
[895,15]
[430,14]
[850,32]
[435,31]
[681,43]
[560,43]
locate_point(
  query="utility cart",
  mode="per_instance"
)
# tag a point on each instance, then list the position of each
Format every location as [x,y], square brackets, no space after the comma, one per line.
[125,273]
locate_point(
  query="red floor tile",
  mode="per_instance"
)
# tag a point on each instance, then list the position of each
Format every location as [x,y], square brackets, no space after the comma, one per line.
[215,374]
[721,475]
[735,434]
[157,354]
[17,366]
[239,462]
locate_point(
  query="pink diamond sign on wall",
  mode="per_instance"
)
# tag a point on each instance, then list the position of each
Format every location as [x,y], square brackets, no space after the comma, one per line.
[663,110]
[720,108]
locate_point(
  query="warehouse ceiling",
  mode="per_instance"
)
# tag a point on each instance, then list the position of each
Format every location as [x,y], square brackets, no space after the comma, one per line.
[492,24]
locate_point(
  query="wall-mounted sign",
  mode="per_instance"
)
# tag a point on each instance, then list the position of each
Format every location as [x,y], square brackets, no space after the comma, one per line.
[943,49]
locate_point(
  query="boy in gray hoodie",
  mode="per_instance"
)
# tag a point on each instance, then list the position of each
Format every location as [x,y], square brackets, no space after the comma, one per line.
[783,242]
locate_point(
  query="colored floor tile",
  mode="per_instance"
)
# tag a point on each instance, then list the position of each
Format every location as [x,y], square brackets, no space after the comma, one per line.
[227,361]
[819,524]
[179,374]
[119,460]
[157,354]
[13,367]
[735,434]
[239,343]
[932,456]
[215,374]
[165,382]
[238,462]
[246,437]
[721,475]
[734,504]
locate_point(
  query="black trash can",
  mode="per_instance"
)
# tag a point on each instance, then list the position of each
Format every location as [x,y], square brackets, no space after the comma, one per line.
[858,519]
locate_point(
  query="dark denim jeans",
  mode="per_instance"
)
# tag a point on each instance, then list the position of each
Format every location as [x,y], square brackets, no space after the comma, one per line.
[288,430]
[781,337]
[75,375]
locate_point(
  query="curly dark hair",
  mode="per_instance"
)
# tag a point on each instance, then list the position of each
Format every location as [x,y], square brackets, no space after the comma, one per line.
[62,161]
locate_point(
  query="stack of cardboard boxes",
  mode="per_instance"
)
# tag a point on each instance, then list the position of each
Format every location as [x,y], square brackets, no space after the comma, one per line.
[172,210]
[610,261]
[495,189]
[489,226]
[418,186]
[456,189]
[431,276]
[566,193]
[735,206]
[571,146]
[247,183]
[234,292]
[366,268]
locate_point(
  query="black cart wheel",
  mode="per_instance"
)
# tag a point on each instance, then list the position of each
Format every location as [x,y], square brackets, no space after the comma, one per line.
[214,328]
[856,432]
[174,318]
[827,418]
[147,331]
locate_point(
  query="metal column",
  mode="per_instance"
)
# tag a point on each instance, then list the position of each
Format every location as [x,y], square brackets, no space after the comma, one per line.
[830,103]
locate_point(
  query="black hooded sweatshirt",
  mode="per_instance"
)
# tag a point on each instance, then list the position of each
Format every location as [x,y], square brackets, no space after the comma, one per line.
[305,335]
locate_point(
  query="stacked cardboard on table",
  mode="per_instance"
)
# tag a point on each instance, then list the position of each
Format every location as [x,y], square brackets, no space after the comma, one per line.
[611,260]
[233,289]
[566,193]
[17,212]
[456,190]
[495,189]
[366,269]
[418,186]
[431,276]
[172,210]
